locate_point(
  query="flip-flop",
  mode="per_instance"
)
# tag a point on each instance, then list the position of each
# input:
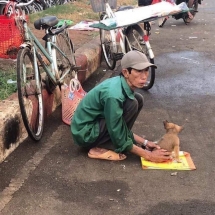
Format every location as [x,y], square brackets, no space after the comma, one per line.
[109,155]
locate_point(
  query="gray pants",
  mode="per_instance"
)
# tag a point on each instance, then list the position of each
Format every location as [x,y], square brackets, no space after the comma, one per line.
[131,110]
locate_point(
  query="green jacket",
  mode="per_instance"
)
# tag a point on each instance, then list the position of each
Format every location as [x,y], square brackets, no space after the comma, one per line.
[104,101]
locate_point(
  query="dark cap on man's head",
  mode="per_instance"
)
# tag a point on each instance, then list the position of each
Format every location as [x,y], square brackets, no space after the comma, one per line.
[136,60]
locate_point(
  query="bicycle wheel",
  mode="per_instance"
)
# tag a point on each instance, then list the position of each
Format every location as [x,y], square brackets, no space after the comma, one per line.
[30,98]
[106,44]
[44,6]
[64,43]
[37,7]
[27,10]
[134,41]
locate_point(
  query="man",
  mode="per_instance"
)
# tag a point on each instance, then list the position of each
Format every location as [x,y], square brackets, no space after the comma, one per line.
[108,112]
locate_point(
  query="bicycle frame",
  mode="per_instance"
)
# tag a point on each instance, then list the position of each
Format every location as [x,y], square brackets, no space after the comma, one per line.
[117,35]
[121,36]
[147,44]
[50,55]
[110,14]
[55,60]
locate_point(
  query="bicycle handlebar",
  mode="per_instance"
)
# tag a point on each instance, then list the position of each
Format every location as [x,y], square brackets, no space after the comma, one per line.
[24,4]
[4,2]
[17,5]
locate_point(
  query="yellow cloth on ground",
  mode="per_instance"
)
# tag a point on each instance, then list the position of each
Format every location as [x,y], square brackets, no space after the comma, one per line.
[186,163]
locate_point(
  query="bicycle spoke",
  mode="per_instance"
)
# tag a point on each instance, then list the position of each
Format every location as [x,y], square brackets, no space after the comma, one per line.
[30,96]
[65,64]
[106,43]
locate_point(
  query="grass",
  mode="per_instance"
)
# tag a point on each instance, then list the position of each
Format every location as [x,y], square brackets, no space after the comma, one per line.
[76,11]
[7,89]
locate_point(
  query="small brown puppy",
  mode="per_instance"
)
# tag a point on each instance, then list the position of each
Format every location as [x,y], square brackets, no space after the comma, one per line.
[170,141]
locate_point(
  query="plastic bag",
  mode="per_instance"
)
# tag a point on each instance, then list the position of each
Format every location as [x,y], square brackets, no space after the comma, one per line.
[71,96]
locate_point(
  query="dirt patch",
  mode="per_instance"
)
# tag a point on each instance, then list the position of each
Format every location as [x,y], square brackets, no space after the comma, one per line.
[79,38]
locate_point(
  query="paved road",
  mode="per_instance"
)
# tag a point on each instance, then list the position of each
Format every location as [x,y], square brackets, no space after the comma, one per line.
[56,177]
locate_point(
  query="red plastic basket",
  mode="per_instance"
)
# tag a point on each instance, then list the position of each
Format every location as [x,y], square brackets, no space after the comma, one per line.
[71,96]
[11,35]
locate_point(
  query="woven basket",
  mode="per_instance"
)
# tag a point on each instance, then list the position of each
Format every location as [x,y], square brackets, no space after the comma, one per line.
[71,96]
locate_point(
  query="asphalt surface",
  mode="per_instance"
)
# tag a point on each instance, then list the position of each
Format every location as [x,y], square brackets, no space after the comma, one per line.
[55,176]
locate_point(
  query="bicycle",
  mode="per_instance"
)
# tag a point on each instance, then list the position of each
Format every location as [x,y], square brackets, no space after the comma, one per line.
[58,63]
[116,42]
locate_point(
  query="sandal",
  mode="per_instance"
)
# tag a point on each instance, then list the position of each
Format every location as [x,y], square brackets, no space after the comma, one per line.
[109,155]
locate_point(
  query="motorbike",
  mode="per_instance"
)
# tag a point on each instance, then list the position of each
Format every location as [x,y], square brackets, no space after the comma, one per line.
[186,16]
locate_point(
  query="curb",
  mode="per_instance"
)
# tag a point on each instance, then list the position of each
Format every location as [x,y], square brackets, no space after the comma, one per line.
[12,130]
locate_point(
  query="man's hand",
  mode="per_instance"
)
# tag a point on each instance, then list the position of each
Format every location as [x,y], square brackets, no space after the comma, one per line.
[151,146]
[158,156]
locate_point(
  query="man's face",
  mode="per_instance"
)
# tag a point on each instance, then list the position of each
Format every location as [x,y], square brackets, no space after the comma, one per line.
[137,78]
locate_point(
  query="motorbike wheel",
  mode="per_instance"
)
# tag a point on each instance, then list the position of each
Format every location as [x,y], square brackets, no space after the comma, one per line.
[194,5]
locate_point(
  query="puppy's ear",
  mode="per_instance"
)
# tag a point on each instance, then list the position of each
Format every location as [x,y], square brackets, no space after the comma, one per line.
[178,128]
[181,128]
[168,125]
[165,123]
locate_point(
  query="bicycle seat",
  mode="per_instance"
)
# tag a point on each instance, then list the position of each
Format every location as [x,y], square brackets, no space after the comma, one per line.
[121,8]
[46,22]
